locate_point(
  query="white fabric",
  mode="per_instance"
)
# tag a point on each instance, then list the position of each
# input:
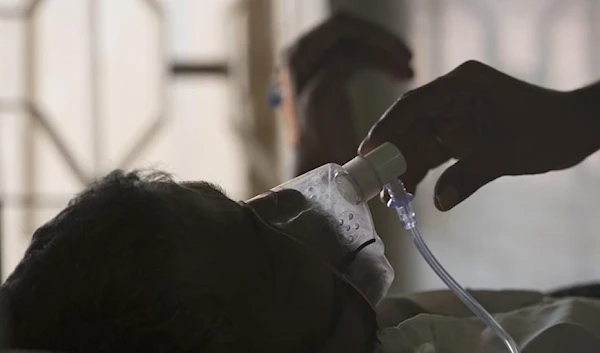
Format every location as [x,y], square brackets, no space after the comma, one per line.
[538,324]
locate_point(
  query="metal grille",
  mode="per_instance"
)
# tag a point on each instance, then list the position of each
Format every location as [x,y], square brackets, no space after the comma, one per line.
[37,119]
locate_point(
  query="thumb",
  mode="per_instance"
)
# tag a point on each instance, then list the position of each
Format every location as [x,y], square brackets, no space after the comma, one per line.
[469,174]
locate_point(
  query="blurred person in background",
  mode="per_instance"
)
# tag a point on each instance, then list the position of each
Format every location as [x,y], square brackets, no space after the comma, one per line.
[141,263]
[493,124]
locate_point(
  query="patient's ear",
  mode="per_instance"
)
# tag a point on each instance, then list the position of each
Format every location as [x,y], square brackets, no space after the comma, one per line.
[393,311]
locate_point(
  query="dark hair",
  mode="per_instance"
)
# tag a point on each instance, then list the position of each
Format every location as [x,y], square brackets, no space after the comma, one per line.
[82,285]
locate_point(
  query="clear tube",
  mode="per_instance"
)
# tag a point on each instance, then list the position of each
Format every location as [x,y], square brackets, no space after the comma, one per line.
[400,200]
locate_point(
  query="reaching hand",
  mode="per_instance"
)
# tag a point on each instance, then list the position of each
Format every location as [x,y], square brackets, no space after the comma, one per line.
[493,124]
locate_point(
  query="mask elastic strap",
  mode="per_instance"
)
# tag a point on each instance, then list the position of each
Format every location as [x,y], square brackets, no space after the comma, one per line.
[339,290]
[340,287]
[343,267]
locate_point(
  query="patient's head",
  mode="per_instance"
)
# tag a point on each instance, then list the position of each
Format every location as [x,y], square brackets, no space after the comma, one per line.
[143,264]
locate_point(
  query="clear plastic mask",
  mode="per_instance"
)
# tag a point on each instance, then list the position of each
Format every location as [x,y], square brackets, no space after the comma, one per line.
[327,210]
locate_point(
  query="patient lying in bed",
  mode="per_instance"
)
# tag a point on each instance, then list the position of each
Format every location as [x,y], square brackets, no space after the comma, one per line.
[144,264]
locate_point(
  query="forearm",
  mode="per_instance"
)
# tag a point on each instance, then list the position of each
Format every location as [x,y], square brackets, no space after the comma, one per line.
[587,100]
